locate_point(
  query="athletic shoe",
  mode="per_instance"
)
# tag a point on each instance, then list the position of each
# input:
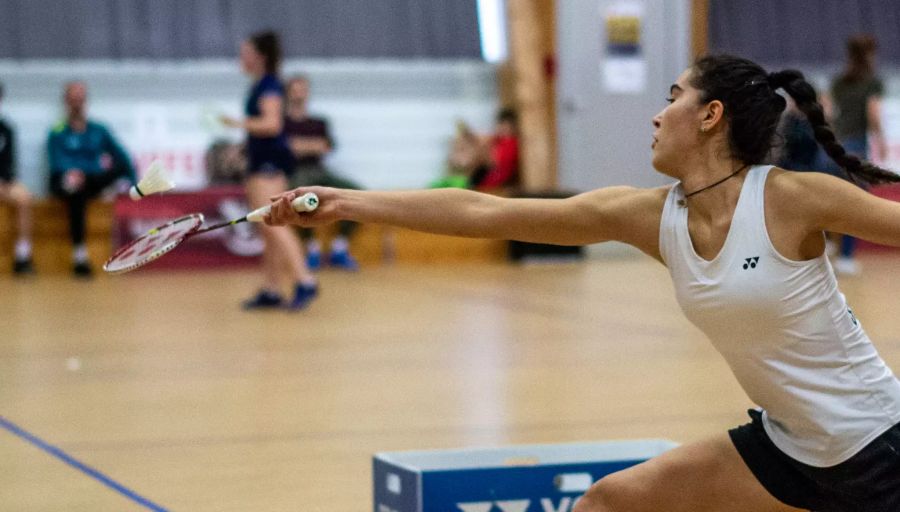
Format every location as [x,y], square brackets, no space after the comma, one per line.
[263,300]
[847,266]
[23,267]
[314,260]
[342,260]
[82,270]
[303,295]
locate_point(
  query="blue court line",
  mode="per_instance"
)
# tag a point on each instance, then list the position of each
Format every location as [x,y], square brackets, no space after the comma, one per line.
[84,468]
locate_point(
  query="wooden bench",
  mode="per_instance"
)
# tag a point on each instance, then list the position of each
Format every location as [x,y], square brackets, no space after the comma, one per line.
[52,246]
[371,244]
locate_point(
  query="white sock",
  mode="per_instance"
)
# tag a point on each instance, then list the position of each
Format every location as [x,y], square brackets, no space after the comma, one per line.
[23,249]
[313,246]
[80,254]
[340,244]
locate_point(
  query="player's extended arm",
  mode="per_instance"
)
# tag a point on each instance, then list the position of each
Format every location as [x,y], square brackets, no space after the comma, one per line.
[626,214]
[827,203]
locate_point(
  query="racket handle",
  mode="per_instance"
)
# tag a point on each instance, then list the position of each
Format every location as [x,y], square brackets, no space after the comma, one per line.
[305,203]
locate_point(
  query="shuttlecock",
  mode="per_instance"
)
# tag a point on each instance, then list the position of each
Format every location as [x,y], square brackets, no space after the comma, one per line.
[155,181]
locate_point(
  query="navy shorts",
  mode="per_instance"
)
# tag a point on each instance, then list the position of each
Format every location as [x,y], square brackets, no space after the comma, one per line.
[269,156]
[867,482]
[279,163]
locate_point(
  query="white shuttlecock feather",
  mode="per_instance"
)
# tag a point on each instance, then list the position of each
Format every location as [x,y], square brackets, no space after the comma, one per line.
[155,181]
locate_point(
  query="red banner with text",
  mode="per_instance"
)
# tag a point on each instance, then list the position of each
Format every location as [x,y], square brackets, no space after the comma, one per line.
[237,245]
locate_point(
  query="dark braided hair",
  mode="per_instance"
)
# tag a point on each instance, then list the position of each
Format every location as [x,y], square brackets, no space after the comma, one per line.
[268,45]
[753,110]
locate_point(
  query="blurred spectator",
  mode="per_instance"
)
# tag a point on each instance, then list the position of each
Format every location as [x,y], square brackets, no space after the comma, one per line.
[485,163]
[467,154]
[14,193]
[310,140]
[855,112]
[502,167]
[84,160]
[799,150]
[226,162]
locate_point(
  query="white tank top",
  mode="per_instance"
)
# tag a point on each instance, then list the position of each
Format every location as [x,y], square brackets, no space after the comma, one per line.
[786,332]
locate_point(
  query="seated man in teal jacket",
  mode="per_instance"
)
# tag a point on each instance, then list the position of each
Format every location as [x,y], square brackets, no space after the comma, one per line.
[84,160]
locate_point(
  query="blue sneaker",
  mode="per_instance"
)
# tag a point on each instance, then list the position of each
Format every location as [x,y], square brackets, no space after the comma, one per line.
[263,300]
[314,260]
[342,260]
[303,295]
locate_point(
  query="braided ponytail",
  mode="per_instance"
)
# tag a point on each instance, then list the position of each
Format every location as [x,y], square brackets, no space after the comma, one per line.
[860,171]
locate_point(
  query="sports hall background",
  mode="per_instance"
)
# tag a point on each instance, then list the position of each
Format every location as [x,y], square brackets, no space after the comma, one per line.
[160,383]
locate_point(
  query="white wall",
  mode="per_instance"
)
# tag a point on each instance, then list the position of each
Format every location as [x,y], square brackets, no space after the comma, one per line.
[605,136]
[391,120]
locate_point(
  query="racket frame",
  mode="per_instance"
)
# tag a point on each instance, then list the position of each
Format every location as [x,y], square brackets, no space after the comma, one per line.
[197,218]
[305,203]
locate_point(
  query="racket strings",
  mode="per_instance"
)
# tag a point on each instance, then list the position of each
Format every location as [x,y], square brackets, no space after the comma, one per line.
[153,244]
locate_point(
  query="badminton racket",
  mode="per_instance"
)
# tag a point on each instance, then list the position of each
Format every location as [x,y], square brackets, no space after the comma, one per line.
[162,239]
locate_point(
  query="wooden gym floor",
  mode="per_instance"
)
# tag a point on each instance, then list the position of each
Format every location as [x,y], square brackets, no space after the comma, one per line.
[160,384]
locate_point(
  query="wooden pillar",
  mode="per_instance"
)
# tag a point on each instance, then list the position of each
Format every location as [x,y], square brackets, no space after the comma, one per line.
[531,48]
[699,27]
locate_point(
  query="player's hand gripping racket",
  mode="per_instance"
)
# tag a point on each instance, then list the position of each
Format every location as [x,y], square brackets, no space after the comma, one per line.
[163,239]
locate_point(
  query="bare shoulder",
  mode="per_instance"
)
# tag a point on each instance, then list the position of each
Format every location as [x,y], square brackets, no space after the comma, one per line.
[632,198]
[798,190]
[653,196]
[821,202]
[636,214]
[645,204]
[624,204]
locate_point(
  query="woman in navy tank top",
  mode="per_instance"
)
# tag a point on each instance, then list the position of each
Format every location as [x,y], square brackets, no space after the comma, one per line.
[269,163]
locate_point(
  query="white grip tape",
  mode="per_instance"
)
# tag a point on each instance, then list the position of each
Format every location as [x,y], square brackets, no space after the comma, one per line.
[305,203]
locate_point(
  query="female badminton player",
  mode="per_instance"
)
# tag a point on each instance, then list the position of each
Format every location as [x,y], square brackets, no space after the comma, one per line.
[745,249]
[269,163]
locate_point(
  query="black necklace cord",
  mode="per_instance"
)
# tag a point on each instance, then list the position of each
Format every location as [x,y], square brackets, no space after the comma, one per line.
[683,202]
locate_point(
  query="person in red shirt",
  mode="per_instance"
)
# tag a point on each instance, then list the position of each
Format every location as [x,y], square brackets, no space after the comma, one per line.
[501,168]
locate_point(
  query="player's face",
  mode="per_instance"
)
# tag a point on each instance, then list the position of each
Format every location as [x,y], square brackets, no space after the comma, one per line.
[677,127]
[252,61]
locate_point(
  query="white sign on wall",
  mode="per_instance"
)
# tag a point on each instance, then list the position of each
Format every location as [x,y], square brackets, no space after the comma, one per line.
[624,67]
[176,135]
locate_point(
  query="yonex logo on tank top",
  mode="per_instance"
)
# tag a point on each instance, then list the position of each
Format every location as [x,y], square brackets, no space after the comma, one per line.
[750,262]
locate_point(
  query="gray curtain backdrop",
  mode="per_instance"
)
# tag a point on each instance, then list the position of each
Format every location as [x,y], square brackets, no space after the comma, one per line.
[188,29]
[803,31]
